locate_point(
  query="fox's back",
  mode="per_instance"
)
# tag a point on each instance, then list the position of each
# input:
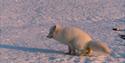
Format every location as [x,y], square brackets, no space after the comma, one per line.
[76,33]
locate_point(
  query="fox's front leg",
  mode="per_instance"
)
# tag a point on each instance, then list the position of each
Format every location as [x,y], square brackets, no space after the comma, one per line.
[71,50]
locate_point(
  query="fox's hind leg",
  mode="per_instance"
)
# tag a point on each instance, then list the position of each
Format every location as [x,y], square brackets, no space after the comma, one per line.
[88,51]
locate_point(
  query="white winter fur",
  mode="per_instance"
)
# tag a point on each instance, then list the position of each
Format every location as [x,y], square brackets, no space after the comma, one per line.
[77,40]
[74,37]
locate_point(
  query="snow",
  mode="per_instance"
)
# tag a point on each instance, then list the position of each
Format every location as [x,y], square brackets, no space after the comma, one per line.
[24,25]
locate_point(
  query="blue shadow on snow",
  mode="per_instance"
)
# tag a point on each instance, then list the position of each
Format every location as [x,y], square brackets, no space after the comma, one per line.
[27,49]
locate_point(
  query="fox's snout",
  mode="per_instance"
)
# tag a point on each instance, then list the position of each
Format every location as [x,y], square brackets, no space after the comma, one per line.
[49,36]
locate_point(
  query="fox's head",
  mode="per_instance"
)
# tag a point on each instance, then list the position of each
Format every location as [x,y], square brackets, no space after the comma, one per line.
[53,31]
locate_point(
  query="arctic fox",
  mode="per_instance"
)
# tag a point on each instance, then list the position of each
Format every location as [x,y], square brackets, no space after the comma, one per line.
[78,41]
[75,38]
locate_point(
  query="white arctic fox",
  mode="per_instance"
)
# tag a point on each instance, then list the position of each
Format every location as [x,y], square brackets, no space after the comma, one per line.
[77,40]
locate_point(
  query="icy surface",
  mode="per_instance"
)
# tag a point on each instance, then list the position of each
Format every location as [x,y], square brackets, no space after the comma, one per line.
[24,25]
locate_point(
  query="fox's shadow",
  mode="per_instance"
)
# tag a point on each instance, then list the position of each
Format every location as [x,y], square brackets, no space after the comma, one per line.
[28,49]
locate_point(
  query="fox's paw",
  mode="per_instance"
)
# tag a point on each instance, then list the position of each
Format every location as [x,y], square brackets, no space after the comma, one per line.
[68,53]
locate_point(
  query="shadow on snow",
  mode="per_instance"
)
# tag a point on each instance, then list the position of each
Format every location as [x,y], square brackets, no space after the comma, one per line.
[27,49]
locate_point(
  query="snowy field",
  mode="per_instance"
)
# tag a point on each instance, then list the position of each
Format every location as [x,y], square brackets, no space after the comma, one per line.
[24,25]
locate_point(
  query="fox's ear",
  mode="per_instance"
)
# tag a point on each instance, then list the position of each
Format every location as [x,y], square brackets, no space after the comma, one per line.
[57,26]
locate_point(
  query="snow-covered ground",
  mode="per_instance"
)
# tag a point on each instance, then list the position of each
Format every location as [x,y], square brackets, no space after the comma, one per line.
[24,25]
